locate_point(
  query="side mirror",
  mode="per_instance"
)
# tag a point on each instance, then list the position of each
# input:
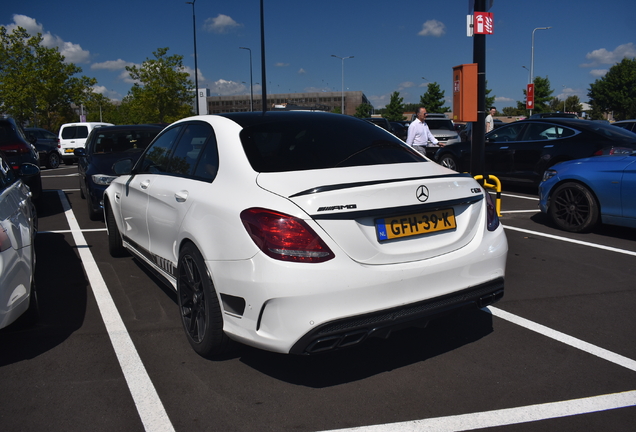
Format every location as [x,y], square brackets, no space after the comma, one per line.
[123,167]
[80,152]
[28,170]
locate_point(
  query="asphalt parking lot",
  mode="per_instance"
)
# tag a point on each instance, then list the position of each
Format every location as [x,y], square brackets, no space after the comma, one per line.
[109,353]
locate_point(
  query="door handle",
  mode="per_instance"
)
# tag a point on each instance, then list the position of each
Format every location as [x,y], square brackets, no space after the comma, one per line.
[181,196]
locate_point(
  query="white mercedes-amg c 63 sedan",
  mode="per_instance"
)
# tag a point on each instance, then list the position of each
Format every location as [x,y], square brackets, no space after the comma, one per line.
[303,232]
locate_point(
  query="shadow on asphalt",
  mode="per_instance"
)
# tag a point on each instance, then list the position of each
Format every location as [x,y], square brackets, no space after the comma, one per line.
[61,289]
[375,356]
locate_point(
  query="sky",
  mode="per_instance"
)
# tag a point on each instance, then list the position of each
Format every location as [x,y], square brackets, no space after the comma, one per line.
[395,46]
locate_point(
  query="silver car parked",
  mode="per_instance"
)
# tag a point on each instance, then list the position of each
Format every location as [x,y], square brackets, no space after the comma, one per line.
[18,225]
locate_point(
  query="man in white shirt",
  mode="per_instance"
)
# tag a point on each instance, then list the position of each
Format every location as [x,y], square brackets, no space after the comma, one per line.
[490,121]
[419,133]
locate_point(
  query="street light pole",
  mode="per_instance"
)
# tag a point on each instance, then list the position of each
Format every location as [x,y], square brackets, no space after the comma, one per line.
[251,86]
[196,74]
[532,59]
[342,92]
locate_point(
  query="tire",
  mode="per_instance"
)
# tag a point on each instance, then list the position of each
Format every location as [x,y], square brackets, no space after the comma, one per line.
[115,246]
[199,305]
[573,208]
[92,214]
[32,314]
[53,161]
[448,161]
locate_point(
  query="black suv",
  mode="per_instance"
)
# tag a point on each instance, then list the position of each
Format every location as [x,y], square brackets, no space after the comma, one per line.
[19,149]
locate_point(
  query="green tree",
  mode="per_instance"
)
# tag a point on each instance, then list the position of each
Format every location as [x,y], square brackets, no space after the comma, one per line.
[363,111]
[616,91]
[161,92]
[571,104]
[395,109]
[36,86]
[336,110]
[542,96]
[433,99]
[490,100]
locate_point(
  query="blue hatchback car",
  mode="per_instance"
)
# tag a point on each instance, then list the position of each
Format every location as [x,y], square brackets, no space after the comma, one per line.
[579,194]
[105,146]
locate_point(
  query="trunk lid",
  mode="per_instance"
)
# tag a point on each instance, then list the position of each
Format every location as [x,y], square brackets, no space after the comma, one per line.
[361,208]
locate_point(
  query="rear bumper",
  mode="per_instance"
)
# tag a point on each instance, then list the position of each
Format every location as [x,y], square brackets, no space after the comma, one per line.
[353,330]
[291,307]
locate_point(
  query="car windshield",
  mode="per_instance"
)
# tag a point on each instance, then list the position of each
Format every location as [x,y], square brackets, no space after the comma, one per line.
[440,124]
[296,143]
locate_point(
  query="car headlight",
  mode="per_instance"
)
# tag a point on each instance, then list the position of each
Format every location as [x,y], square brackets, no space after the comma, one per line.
[103,179]
[548,174]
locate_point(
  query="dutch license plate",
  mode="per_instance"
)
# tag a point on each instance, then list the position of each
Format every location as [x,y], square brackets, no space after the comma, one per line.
[69,150]
[415,224]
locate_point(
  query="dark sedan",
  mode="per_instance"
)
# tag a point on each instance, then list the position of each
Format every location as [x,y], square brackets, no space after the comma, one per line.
[520,152]
[46,145]
[104,147]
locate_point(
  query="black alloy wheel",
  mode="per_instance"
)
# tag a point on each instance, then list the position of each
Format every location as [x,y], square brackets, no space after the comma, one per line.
[573,208]
[200,310]
[53,160]
[115,245]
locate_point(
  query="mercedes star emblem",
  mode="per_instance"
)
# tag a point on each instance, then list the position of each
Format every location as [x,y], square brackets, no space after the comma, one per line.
[422,193]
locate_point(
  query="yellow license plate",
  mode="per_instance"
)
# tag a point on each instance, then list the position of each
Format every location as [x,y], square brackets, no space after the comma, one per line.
[415,224]
[69,150]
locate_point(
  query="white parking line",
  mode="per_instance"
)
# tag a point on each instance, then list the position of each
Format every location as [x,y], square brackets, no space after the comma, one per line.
[149,406]
[510,416]
[563,338]
[569,240]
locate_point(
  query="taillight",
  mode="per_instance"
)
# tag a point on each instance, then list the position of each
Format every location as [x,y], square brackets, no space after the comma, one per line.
[491,213]
[5,241]
[284,237]
[15,148]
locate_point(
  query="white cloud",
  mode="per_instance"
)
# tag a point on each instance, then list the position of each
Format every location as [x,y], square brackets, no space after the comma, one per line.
[113,65]
[597,73]
[73,53]
[602,56]
[432,28]
[504,99]
[302,71]
[220,24]
[226,88]
[280,64]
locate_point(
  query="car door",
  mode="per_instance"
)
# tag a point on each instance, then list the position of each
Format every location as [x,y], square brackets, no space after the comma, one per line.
[134,203]
[501,145]
[170,197]
[628,186]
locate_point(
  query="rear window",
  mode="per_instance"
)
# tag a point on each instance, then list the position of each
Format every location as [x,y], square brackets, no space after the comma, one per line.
[71,132]
[120,141]
[319,142]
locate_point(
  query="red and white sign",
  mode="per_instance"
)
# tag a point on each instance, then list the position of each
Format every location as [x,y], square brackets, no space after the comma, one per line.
[530,96]
[483,23]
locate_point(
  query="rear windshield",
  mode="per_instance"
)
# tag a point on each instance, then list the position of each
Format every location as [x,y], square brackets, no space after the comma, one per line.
[319,142]
[120,141]
[71,132]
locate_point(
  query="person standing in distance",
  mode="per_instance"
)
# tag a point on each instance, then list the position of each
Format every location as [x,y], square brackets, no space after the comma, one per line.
[419,133]
[490,121]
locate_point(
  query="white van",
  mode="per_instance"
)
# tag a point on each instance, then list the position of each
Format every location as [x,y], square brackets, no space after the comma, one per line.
[72,136]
